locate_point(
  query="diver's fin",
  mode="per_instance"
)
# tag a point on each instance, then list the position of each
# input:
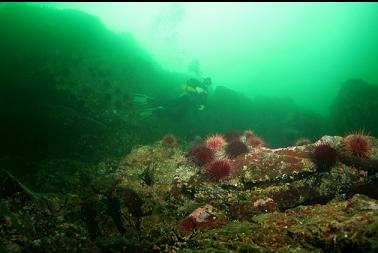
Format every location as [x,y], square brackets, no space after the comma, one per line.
[141,95]
[145,114]
[141,99]
[145,106]
[149,111]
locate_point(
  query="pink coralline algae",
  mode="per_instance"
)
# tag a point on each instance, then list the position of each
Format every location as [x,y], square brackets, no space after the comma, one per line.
[201,218]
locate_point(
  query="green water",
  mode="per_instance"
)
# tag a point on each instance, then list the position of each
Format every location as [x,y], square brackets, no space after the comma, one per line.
[70,72]
[300,50]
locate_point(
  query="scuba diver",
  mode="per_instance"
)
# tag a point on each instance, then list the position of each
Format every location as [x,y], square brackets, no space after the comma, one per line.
[193,99]
[196,93]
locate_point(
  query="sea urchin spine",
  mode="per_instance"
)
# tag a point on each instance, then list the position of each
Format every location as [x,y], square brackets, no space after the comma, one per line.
[215,142]
[324,156]
[169,140]
[219,169]
[202,154]
[256,141]
[358,144]
[233,136]
[235,148]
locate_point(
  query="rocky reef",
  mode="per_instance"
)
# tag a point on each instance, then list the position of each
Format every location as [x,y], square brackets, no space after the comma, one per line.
[158,199]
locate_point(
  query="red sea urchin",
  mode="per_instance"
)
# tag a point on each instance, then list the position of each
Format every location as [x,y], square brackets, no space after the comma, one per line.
[215,142]
[358,144]
[232,136]
[324,156]
[219,169]
[256,141]
[169,140]
[201,154]
[235,148]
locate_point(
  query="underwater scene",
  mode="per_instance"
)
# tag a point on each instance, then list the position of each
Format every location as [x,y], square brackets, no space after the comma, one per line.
[188,127]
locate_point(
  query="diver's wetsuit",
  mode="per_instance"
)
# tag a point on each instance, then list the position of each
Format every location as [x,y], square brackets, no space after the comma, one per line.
[192,99]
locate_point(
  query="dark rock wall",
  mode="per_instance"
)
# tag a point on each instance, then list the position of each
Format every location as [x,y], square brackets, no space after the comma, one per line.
[356,107]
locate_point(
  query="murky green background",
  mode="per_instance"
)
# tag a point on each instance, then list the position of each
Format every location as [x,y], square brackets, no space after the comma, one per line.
[285,70]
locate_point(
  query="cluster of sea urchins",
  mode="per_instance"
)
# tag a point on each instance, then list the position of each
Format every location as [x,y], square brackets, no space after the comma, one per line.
[216,152]
[325,156]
